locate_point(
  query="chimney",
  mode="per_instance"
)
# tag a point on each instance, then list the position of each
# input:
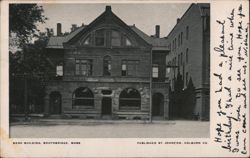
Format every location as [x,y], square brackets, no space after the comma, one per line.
[108,8]
[157,31]
[178,20]
[73,27]
[59,29]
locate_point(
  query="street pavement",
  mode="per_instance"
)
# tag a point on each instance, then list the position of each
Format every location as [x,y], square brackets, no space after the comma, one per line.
[109,129]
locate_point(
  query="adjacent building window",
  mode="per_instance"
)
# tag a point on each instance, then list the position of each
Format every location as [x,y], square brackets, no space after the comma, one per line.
[115,38]
[187,55]
[107,66]
[129,67]
[59,70]
[181,59]
[175,43]
[187,78]
[187,32]
[100,37]
[179,40]
[83,97]
[155,71]
[83,67]
[178,60]
[181,37]
[130,99]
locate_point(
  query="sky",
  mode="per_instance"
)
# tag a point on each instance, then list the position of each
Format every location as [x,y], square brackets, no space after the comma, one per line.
[144,16]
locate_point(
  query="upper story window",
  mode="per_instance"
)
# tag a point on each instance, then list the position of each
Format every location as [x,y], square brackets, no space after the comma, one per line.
[175,43]
[100,37]
[187,32]
[181,37]
[181,58]
[187,55]
[115,38]
[83,67]
[59,70]
[179,40]
[129,67]
[107,66]
[155,71]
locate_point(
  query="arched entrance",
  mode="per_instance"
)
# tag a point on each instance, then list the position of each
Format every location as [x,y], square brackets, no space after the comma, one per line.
[157,104]
[55,103]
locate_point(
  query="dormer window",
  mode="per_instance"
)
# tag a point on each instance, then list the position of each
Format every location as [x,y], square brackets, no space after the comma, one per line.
[115,38]
[99,37]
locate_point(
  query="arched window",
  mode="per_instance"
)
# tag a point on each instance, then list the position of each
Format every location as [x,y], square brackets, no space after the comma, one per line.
[107,66]
[83,97]
[127,42]
[87,40]
[130,99]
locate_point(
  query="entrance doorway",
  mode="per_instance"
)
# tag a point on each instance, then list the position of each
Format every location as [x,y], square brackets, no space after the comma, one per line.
[55,103]
[158,104]
[106,106]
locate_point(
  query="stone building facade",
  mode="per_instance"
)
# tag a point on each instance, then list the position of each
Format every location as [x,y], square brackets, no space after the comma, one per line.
[103,70]
[189,55]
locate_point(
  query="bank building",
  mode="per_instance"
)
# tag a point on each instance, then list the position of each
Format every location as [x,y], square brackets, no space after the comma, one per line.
[110,70]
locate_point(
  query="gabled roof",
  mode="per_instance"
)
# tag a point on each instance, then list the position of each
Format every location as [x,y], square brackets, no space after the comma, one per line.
[57,41]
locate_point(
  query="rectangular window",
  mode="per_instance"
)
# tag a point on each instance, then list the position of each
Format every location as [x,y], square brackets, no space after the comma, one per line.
[187,55]
[99,37]
[181,60]
[124,68]
[155,71]
[129,67]
[115,38]
[178,60]
[181,37]
[175,43]
[179,40]
[59,70]
[187,32]
[83,67]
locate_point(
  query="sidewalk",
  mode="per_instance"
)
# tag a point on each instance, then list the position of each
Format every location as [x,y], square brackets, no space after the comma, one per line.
[49,121]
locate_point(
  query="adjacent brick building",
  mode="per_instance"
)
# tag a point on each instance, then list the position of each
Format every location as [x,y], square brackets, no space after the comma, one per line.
[189,55]
[103,70]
